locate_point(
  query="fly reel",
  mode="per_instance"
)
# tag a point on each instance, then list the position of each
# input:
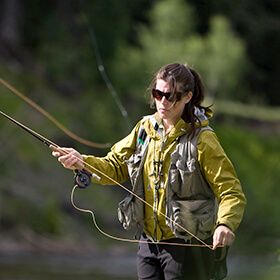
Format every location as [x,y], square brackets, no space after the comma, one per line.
[82,179]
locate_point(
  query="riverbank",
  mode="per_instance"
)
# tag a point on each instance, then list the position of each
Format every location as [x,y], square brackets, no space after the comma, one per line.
[53,261]
[27,255]
[113,265]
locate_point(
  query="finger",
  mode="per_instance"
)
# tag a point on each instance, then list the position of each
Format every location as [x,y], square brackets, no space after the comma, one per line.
[215,244]
[218,238]
[56,154]
[58,150]
[68,160]
[71,161]
[223,238]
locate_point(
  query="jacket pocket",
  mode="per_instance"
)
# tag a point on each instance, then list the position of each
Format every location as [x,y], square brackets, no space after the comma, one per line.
[183,178]
[187,181]
[130,211]
[197,217]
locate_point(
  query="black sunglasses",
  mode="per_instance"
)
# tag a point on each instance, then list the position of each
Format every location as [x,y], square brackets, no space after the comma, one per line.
[157,94]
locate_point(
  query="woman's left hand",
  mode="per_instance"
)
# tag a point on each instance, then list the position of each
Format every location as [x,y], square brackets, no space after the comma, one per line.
[223,236]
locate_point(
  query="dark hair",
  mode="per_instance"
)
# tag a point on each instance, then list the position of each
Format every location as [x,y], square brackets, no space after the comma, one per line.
[182,79]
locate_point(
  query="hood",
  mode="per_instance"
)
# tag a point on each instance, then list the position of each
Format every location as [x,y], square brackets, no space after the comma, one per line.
[204,114]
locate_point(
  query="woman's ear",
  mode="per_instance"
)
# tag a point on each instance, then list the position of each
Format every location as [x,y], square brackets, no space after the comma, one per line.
[188,97]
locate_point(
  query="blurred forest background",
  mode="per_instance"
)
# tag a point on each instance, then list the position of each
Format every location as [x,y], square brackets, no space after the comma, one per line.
[55,53]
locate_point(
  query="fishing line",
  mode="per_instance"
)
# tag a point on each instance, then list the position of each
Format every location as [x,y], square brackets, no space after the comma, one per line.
[52,119]
[102,71]
[54,147]
[125,239]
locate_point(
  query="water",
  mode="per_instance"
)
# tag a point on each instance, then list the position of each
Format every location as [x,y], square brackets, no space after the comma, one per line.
[105,266]
[54,267]
[254,267]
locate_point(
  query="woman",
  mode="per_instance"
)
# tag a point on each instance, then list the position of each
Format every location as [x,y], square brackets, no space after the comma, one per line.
[176,163]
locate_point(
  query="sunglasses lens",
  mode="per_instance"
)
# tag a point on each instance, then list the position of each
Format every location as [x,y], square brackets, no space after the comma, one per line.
[167,95]
[157,94]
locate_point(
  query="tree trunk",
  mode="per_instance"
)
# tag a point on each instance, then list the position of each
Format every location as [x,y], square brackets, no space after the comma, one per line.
[9,23]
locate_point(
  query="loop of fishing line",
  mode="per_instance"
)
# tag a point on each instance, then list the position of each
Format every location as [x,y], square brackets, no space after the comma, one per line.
[53,119]
[142,200]
[126,239]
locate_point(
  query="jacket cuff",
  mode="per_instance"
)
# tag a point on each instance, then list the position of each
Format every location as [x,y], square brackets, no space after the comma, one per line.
[224,224]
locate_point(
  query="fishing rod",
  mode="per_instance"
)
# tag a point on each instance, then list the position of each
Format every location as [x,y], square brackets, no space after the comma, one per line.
[82,177]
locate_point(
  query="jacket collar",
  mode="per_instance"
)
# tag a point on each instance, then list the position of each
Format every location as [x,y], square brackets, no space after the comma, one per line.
[154,125]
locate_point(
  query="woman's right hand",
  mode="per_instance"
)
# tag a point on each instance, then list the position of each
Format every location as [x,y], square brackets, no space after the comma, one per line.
[69,158]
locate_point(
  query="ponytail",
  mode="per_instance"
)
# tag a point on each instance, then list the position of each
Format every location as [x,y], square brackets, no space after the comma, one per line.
[198,91]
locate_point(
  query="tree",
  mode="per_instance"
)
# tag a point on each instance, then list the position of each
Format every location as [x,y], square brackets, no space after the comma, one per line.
[10,22]
[258,23]
[219,55]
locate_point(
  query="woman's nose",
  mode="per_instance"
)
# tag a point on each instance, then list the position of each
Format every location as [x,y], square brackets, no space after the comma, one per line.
[164,100]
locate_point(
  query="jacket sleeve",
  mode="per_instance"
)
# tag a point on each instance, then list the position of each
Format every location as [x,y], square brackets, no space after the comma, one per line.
[220,174]
[113,164]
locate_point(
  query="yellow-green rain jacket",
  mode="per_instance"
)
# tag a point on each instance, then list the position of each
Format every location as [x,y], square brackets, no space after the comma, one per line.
[214,164]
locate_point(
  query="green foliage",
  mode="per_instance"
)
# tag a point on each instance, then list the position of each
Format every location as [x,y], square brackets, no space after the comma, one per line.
[165,40]
[257,163]
[219,56]
[238,109]
[221,60]
[44,218]
[62,76]
[171,21]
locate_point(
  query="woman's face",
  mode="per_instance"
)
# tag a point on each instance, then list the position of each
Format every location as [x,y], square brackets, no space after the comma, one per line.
[169,111]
